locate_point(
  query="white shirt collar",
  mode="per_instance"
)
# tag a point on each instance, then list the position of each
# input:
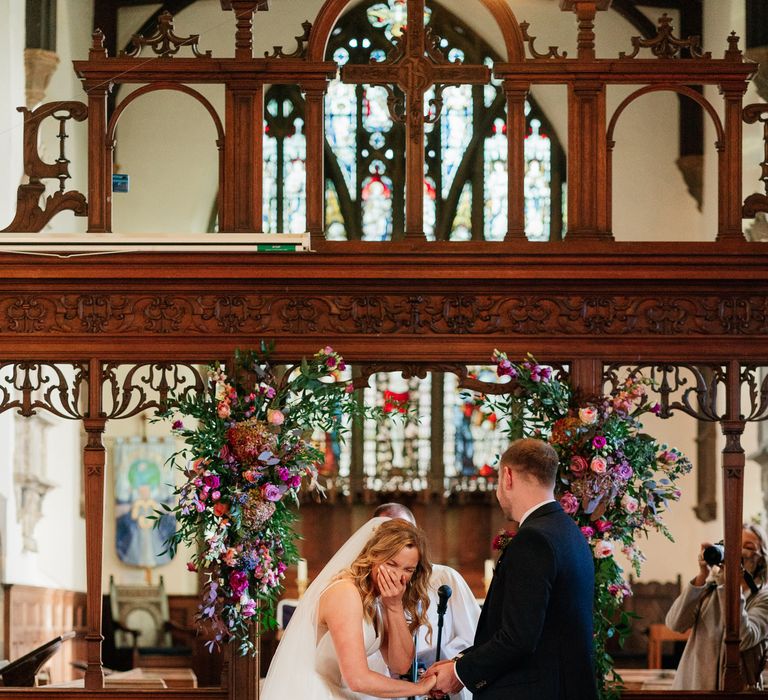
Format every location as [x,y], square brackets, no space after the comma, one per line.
[530,510]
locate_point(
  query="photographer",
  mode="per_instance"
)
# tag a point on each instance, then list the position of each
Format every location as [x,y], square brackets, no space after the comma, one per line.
[700,607]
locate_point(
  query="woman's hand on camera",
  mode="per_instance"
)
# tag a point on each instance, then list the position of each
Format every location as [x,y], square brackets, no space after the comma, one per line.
[701,577]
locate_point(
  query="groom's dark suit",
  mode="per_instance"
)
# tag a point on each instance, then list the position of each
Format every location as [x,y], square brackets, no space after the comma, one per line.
[534,637]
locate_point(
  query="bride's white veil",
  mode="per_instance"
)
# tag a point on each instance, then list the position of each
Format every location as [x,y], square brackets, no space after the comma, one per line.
[292,671]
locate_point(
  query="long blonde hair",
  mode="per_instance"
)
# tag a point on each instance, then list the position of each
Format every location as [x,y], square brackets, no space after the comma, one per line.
[386,542]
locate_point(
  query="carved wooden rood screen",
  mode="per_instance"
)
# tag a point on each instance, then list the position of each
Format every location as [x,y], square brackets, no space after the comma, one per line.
[101,338]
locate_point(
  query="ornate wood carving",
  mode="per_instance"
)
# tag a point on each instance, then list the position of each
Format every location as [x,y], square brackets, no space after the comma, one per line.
[666,45]
[552,52]
[758,202]
[512,313]
[164,42]
[134,388]
[696,387]
[29,215]
[301,45]
[43,386]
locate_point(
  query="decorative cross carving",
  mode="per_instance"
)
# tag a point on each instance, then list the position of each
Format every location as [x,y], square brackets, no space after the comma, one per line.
[414,64]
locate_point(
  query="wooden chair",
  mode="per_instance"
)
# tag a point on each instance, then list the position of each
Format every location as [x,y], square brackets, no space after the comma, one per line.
[650,601]
[22,672]
[285,609]
[659,633]
[141,622]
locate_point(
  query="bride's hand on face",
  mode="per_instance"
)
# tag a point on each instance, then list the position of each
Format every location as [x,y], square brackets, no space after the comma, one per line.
[391,587]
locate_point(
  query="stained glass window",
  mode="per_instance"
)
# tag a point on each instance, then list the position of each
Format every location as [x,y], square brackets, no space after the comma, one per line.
[474,437]
[396,453]
[465,178]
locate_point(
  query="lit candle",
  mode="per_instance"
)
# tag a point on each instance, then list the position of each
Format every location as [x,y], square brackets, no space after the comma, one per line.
[488,573]
[302,574]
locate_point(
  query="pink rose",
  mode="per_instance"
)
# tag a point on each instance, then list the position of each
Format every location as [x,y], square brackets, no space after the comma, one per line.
[275,417]
[598,465]
[587,531]
[579,465]
[569,502]
[270,492]
[588,416]
[603,525]
[223,410]
[603,549]
[629,504]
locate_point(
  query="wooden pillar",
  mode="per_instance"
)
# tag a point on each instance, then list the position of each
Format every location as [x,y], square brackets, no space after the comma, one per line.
[242,177]
[730,165]
[587,162]
[314,130]
[436,476]
[733,494]
[100,163]
[414,166]
[241,673]
[93,480]
[516,94]
[586,377]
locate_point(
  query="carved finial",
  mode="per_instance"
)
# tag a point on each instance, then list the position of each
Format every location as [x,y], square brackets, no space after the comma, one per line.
[97,49]
[734,52]
[665,44]
[553,52]
[301,44]
[164,42]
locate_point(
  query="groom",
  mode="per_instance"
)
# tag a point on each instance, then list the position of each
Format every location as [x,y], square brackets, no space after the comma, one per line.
[534,637]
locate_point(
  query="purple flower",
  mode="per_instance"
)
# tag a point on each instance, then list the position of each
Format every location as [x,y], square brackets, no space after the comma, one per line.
[624,471]
[248,609]
[212,481]
[284,473]
[598,442]
[270,492]
[295,481]
[656,408]
[238,582]
[177,425]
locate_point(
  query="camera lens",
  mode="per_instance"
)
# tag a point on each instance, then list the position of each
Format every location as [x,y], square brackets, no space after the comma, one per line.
[714,554]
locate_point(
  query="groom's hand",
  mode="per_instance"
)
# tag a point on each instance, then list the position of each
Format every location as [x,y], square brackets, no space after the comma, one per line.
[448,682]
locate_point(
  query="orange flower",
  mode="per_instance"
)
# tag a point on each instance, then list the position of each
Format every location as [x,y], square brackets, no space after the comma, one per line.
[220,509]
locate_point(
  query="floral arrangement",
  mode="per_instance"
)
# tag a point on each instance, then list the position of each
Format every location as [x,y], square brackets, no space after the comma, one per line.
[501,540]
[244,463]
[614,480]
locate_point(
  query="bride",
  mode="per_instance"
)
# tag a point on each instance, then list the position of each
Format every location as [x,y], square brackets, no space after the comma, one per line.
[371,596]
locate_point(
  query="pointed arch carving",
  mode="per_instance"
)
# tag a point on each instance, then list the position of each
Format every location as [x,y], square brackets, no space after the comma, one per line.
[332,10]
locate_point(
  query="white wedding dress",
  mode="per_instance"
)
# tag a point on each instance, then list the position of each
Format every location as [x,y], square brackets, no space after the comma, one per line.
[327,663]
[305,665]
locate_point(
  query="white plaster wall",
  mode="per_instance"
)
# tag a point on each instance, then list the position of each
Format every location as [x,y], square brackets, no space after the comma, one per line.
[74,20]
[11,96]
[59,561]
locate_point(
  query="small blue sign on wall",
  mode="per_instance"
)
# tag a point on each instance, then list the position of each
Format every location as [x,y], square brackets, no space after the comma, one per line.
[120,182]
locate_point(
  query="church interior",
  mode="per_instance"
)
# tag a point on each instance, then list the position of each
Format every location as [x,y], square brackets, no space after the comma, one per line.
[582,180]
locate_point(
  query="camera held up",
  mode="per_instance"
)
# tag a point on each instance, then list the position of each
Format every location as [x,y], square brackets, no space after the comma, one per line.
[714,555]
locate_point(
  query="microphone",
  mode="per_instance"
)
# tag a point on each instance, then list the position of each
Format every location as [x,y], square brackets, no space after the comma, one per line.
[443,593]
